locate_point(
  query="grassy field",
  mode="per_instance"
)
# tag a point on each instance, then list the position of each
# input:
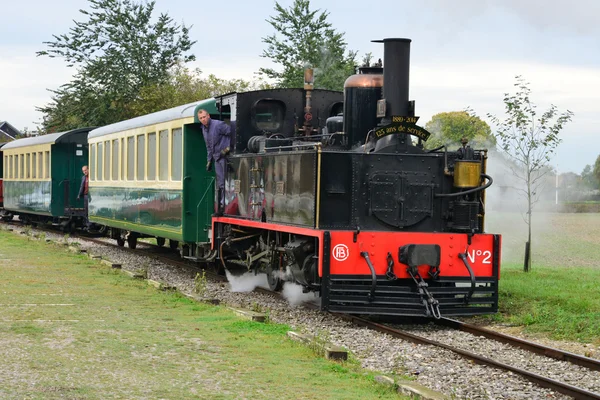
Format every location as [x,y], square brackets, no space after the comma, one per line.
[72,328]
[559,297]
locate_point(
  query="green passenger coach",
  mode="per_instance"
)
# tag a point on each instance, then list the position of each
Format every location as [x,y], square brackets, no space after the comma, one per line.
[42,176]
[148,177]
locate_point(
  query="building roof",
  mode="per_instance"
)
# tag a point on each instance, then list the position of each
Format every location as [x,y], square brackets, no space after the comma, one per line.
[8,130]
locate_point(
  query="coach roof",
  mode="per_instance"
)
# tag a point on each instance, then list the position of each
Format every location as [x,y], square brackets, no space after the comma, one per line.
[186,110]
[72,136]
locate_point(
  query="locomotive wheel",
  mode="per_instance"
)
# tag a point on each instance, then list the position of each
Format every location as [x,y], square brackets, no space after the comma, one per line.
[173,244]
[121,242]
[132,242]
[274,279]
[160,241]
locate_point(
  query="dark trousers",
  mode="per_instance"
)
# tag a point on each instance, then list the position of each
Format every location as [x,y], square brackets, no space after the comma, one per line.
[220,171]
[86,202]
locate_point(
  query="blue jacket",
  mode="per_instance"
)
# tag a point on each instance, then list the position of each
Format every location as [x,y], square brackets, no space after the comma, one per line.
[217,137]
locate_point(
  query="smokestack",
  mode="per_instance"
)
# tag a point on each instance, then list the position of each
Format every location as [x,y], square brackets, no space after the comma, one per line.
[396,72]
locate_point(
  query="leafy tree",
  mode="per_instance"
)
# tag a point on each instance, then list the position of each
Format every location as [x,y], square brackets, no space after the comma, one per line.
[448,128]
[596,171]
[307,40]
[529,139]
[591,176]
[81,103]
[117,51]
[185,86]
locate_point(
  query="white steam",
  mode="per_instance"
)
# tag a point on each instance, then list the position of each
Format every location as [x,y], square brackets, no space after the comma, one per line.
[506,209]
[292,292]
[246,282]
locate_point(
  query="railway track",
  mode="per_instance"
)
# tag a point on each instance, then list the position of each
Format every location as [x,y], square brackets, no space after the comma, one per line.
[561,355]
[558,386]
[171,257]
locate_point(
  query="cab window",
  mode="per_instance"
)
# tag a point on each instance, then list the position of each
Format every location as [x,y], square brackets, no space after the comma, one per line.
[268,115]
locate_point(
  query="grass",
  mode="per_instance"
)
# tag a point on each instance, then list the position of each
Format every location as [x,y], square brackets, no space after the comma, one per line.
[72,328]
[559,296]
[555,301]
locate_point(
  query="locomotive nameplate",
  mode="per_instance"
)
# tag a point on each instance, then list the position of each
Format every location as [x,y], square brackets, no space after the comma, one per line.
[381,108]
[398,119]
[405,127]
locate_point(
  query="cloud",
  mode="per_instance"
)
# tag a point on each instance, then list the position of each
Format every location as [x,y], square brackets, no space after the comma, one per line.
[482,85]
[24,84]
[452,86]
[574,16]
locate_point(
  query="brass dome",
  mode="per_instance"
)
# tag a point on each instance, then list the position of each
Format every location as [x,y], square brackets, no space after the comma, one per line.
[364,81]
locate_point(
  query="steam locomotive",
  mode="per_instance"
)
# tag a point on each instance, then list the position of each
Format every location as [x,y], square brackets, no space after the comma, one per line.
[357,211]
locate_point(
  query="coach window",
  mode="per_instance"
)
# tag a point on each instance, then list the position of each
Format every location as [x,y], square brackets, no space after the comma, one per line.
[10,167]
[176,152]
[22,166]
[40,165]
[152,156]
[141,157]
[46,164]
[34,165]
[92,166]
[115,160]
[28,166]
[16,166]
[122,163]
[163,155]
[107,160]
[130,158]
[99,159]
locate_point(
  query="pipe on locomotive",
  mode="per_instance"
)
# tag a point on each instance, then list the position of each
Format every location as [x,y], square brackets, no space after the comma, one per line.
[373,83]
[396,73]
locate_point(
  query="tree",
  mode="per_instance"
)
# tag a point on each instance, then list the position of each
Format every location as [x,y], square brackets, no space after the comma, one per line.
[529,139]
[591,176]
[448,128]
[307,40]
[184,86]
[596,172]
[116,52]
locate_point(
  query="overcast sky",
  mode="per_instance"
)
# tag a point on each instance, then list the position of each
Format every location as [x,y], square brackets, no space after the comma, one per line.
[465,53]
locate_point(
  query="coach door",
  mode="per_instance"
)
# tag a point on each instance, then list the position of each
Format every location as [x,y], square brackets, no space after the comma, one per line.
[198,187]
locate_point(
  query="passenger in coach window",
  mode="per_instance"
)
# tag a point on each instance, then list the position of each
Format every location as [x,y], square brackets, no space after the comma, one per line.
[217,136]
[84,192]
